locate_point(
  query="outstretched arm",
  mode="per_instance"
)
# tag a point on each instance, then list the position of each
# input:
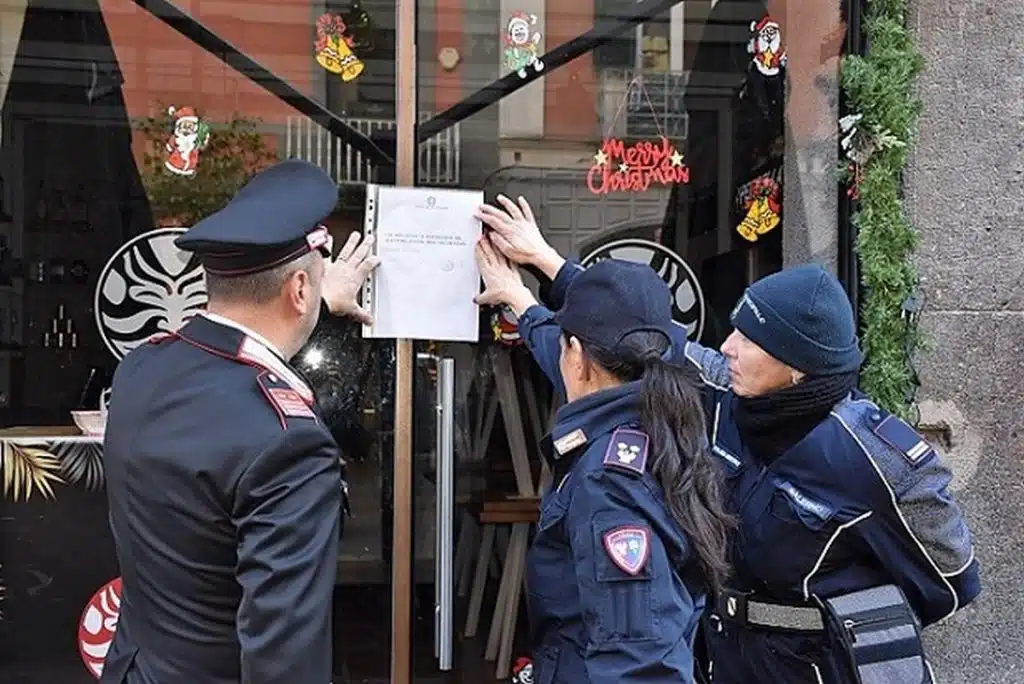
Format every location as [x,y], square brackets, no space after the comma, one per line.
[516,235]
[504,286]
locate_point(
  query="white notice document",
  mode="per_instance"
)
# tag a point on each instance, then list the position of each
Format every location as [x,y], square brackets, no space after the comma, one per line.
[425,284]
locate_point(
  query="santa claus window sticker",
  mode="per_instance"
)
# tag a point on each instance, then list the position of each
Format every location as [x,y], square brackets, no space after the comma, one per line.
[765,46]
[522,44]
[189,136]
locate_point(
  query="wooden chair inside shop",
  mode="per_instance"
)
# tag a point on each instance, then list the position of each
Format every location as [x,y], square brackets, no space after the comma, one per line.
[496,523]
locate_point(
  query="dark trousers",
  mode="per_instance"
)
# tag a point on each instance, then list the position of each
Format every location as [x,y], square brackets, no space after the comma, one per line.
[739,655]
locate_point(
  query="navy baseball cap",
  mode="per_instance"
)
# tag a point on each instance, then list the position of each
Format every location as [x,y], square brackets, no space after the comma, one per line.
[614,298]
[275,218]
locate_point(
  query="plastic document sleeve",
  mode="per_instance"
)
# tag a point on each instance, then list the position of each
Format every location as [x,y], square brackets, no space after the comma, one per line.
[427,278]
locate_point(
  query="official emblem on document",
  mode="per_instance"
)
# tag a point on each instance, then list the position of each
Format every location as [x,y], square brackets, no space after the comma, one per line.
[628,547]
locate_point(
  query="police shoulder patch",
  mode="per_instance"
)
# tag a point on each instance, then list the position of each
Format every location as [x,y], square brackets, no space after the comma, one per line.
[627,451]
[287,401]
[628,547]
[904,439]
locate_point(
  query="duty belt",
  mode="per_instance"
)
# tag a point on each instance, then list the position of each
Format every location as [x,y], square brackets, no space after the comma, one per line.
[744,610]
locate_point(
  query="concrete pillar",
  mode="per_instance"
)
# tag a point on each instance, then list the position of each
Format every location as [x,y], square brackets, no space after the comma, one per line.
[964,192]
[810,200]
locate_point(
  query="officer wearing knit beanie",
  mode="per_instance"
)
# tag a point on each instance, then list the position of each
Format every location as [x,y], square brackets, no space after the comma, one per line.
[802,317]
[820,480]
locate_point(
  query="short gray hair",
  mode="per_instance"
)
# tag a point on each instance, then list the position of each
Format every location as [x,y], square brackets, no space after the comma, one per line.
[258,288]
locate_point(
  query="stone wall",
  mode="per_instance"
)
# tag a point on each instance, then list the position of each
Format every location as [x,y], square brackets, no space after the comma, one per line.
[964,190]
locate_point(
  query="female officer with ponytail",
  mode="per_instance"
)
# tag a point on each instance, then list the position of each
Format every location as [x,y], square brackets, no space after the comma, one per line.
[633,537]
[849,540]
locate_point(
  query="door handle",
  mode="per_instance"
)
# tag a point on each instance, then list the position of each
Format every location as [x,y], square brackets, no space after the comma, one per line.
[444,581]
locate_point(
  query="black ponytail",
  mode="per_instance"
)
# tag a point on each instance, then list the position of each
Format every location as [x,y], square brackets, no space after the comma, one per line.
[673,418]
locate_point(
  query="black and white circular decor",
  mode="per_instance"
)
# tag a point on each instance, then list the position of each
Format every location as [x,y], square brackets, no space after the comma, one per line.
[688,305]
[148,286]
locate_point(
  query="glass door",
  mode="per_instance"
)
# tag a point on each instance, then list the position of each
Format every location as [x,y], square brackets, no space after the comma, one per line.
[123,123]
[653,131]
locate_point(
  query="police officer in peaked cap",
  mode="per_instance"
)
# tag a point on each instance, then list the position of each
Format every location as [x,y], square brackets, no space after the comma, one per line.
[849,539]
[633,537]
[225,486]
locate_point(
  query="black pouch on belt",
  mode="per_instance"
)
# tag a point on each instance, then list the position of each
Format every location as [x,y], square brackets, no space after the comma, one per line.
[880,635]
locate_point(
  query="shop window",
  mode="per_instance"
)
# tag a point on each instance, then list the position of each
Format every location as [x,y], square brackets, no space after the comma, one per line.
[119,131]
[665,143]
[372,93]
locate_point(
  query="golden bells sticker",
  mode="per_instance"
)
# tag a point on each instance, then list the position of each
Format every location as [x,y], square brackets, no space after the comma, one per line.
[764,209]
[334,48]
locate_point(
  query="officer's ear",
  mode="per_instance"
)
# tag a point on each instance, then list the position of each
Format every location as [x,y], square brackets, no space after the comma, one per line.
[300,291]
[577,356]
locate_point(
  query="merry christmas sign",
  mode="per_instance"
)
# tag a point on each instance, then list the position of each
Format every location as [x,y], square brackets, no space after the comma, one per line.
[622,167]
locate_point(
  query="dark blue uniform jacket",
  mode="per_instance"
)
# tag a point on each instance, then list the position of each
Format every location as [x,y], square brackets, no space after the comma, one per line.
[861,501]
[225,493]
[609,598]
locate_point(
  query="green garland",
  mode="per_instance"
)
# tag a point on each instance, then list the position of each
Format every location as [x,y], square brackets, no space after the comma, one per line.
[880,86]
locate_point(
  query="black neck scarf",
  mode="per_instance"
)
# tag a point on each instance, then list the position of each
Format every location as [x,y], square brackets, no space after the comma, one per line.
[773,424]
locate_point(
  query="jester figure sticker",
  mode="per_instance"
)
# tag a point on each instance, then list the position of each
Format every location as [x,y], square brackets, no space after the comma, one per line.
[765,46]
[629,547]
[97,625]
[189,137]
[522,671]
[333,48]
[522,44]
[764,208]
[505,326]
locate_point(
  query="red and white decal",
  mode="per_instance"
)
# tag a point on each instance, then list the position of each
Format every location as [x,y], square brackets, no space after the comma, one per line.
[96,628]
[290,403]
[317,238]
[256,353]
[629,547]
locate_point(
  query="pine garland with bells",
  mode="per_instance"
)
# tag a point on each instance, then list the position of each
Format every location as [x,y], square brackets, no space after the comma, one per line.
[880,90]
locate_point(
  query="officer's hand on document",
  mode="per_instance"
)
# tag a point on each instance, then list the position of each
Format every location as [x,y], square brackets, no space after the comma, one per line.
[502,282]
[514,231]
[344,277]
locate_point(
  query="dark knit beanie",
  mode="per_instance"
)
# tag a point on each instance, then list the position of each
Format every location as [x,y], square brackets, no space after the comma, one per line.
[802,317]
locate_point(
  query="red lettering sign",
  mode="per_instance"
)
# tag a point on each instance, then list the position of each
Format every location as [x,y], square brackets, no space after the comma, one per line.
[635,168]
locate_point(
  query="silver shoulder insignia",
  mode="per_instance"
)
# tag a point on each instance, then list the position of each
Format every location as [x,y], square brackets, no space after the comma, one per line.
[567,443]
